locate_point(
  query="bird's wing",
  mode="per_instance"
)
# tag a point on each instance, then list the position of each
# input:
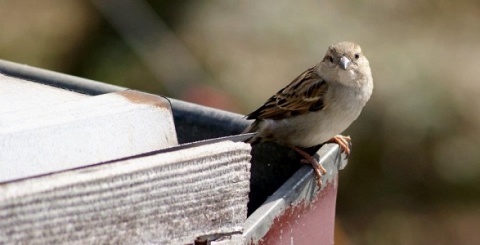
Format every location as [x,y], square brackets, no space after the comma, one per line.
[304,94]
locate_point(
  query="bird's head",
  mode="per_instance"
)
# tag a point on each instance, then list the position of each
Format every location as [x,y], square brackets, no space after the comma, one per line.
[345,63]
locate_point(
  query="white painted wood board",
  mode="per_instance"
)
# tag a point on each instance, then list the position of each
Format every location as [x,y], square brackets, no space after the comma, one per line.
[17,94]
[71,134]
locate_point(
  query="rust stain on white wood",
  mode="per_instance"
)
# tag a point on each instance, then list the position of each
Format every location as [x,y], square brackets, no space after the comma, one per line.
[145,98]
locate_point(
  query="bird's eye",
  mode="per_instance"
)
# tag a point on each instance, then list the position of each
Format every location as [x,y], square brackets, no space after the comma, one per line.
[357,56]
[330,58]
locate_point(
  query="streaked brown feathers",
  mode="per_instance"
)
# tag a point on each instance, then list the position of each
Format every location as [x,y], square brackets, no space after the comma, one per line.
[304,94]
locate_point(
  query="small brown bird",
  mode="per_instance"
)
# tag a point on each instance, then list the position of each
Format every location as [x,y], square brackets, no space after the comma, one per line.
[318,105]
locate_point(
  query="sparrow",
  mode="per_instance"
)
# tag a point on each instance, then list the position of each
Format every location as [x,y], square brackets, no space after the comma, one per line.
[317,106]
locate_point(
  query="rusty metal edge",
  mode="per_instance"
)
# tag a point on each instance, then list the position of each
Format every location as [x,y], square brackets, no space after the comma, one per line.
[300,188]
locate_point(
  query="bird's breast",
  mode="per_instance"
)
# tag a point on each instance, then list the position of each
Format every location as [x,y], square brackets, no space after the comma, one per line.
[315,128]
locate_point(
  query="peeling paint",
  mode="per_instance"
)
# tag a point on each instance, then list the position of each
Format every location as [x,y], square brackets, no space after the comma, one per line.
[306,222]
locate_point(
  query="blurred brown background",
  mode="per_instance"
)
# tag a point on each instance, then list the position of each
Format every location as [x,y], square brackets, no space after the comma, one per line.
[414,176]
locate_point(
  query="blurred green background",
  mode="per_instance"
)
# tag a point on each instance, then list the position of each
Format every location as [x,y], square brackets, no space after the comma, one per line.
[414,175]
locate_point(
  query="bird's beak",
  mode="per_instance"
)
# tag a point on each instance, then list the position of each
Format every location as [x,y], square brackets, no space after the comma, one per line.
[344,62]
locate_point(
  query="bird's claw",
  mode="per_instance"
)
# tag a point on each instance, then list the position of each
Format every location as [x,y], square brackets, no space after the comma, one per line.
[317,167]
[344,142]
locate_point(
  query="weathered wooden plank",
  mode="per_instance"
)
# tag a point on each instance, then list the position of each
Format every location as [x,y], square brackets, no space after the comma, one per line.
[82,132]
[168,198]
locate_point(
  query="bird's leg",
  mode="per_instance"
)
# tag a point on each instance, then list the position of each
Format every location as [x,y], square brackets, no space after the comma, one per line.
[344,142]
[317,167]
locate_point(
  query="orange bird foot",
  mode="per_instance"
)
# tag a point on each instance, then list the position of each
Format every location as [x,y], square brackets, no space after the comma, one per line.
[317,167]
[344,142]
